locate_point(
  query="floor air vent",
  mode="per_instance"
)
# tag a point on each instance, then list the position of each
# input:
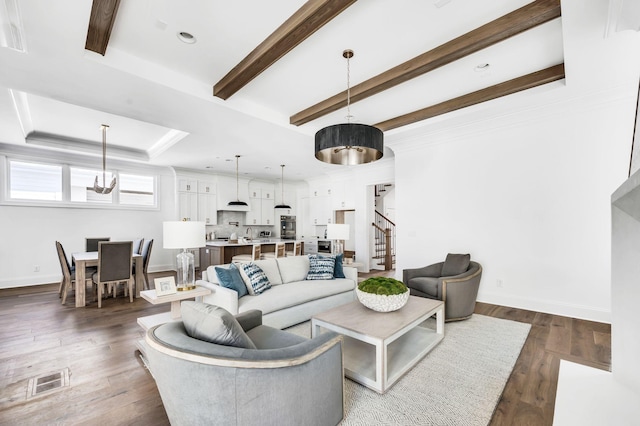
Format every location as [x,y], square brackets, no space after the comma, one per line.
[48,383]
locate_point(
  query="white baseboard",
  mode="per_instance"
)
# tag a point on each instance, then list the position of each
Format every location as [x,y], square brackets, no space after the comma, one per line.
[548,306]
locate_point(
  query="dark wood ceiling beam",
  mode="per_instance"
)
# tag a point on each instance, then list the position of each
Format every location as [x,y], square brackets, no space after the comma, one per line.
[518,84]
[103,15]
[306,21]
[523,19]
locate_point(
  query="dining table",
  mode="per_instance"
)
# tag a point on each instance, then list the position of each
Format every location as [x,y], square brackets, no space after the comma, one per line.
[90,258]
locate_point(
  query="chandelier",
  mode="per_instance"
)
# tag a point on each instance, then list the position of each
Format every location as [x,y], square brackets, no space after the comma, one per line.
[104,189]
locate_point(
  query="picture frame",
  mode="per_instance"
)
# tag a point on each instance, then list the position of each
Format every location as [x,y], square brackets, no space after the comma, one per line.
[165,286]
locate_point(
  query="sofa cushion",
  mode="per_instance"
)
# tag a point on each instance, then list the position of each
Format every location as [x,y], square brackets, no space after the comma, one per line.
[229,277]
[265,337]
[427,285]
[271,270]
[321,268]
[287,295]
[293,268]
[338,271]
[254,278]
[455,264]
[213,324]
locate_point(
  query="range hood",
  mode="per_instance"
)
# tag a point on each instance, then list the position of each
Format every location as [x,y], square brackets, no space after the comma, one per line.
[227,208]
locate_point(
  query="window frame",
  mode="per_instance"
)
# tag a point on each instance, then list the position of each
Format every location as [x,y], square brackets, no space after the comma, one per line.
[66,186]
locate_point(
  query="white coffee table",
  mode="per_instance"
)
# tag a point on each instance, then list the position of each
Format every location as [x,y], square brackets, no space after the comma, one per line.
[380,347]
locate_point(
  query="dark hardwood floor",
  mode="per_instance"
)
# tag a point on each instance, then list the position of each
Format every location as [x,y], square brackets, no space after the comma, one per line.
[110,386]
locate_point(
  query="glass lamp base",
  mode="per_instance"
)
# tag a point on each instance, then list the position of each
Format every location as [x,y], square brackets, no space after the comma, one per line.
[186,271]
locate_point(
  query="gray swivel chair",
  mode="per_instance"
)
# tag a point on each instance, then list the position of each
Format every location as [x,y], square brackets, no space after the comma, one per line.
[285,380]
[454,281]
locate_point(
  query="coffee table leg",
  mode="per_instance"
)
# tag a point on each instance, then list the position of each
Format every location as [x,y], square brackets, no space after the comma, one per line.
[440,320]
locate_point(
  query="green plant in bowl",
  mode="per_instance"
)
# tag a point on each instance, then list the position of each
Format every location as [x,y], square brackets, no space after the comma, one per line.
[383,286]
[382,294]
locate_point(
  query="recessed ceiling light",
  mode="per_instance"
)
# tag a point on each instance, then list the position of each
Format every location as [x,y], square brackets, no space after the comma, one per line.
[186,37]
[482,67]
[208,167]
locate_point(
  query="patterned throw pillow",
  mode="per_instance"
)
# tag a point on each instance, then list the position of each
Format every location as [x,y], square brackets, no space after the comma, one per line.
[321,268]
[257,279]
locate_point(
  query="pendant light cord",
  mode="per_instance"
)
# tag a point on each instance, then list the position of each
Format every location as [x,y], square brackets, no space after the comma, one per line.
[237,182]
[104,154]
[348,54]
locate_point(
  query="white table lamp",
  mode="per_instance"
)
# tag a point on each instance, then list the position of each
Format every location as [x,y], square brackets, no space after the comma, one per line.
[184,235]
[338,232]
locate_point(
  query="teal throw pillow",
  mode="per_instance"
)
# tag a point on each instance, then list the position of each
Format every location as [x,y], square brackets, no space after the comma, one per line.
[321,268]
[230,278]
[338,271]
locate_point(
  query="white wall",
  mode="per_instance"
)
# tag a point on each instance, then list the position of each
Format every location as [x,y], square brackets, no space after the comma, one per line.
[528,196]
[28,234]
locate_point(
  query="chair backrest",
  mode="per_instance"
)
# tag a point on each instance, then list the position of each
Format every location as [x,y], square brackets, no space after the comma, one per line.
[146,253]
[92,243]
[64,263]
[280,249]
[297,248]
[115,261]
[256,252]
[138,245]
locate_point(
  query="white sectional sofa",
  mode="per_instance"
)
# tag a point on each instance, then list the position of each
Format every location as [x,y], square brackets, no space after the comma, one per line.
[291,299]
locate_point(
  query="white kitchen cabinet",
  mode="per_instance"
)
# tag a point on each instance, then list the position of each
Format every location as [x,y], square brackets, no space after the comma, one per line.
[187,206]
[187,185]
[197,200]
[207,209]
[320,212]
[261,212]
[342,196]
[206,187]
[227,190]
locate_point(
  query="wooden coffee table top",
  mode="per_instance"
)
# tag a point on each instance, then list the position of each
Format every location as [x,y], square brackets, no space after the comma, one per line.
[358,318]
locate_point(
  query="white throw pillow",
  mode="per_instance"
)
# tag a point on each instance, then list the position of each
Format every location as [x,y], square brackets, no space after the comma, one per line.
[293,268]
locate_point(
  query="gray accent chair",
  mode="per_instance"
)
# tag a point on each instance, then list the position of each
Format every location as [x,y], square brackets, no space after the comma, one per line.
[115,264]
[287,380]
[455,281]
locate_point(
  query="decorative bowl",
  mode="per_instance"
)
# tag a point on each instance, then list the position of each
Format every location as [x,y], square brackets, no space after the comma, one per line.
[382,302]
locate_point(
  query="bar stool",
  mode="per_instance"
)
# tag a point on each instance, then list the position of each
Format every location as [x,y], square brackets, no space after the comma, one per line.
[279,252]
[255,255]
[297,249]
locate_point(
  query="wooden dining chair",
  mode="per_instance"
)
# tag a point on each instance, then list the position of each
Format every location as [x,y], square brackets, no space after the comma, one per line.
[278,252]
[297,249]
[146,255]
[256,251]
[115,261]
[92,243]
[68,273]
[138,245]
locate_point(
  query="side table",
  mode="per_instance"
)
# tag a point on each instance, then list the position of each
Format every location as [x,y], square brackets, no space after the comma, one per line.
[152,320]
[175,299]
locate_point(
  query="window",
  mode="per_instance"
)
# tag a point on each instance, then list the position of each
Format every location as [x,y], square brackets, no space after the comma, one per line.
[67,185]
[33,181]
[136,190]
[82,186]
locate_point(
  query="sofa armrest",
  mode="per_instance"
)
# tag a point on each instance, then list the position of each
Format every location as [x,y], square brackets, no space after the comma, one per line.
[250,319]
[220,296]
[351,273]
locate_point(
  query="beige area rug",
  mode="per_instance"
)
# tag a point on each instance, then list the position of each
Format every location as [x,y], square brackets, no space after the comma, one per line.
[458,383]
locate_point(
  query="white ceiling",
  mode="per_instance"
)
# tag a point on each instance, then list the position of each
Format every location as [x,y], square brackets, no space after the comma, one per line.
[155,91]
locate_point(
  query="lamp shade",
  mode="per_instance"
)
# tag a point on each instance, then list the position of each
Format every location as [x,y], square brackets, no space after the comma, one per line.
[183,234]
[337,231]
[349,144]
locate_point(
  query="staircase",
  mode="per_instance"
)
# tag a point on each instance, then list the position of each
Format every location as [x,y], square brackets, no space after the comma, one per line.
[384,241]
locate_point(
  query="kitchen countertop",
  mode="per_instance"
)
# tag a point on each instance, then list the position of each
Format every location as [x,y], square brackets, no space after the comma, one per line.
[223,243]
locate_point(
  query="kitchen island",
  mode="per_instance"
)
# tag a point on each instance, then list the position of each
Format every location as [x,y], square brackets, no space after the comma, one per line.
[219,252]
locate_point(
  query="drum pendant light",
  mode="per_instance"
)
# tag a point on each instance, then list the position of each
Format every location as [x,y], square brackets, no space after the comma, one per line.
[237,202]
[104,189]
[349,143]
[283,205]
